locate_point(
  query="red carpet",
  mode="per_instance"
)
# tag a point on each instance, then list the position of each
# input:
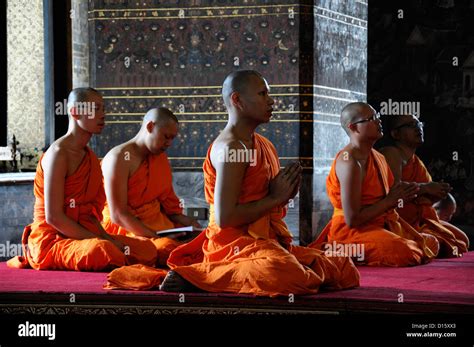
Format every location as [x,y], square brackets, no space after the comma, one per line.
[433,287]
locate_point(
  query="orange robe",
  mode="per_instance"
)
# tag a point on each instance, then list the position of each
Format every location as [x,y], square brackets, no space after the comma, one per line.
[150,199]
[135,277]
[45,248]
[388,240]
[421,214]
[257,258]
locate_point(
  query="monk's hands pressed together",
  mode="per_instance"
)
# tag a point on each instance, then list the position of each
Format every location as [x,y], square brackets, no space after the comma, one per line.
[435,190]
[402,191]
[298,183]
[285,185]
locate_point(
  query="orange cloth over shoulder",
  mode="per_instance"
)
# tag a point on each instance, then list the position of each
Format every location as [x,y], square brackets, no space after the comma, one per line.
[150,199]
[257,258]
[388,240]
[423,217]
[46,248]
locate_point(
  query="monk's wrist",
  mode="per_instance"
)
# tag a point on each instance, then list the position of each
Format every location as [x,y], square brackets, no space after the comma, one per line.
[388,205]
[273,201]
[422,187]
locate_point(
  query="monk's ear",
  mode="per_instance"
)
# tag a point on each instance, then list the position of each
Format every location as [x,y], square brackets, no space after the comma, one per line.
[73,113]
[351,127]
[395,134]
[235,100]
[149,126]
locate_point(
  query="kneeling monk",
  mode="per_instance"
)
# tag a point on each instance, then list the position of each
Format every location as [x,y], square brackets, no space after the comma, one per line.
[138,184]
[247,245]
[360,187]
[66,233]
[407,134]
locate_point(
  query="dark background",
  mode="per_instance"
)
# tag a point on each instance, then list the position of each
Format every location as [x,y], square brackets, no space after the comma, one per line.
[411,59]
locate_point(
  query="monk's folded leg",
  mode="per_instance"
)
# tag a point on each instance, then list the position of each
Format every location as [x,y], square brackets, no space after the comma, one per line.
[339,271]
[164,246]
[264,267]
[461,239]
[452,241]
[384,248]
[139,250]
[84,255]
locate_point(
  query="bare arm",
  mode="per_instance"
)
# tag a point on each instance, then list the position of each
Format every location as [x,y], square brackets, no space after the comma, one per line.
[435,191]
[55,170]
[229,213]
[350,178]
[116,171]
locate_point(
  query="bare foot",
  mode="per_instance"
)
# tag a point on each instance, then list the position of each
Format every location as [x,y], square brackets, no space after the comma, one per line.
[173,282]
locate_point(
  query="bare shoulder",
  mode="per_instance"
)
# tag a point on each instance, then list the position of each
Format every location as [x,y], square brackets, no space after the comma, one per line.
[225,141]
[57,153]
[345,158]
[122,151]
[56,157]
[226,151]
[347,167]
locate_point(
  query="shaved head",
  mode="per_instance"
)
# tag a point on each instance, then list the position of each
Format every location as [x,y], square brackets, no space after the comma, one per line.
[159,128]
[351,113]
[448,201]
[161,116]
[81,95]
[237,81]
[446,207]
[85,109]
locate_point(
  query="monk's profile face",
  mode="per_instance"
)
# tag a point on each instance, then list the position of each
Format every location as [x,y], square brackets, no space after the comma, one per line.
[89,114]
[408,130]
[255,100]
[367,124]
[162,137]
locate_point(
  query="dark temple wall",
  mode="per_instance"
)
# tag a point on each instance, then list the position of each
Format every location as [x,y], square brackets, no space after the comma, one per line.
[425,55]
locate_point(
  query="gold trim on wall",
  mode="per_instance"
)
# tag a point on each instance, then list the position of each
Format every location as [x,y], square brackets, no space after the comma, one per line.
[225,121]
[199,8]
[221,113]
[190,12]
